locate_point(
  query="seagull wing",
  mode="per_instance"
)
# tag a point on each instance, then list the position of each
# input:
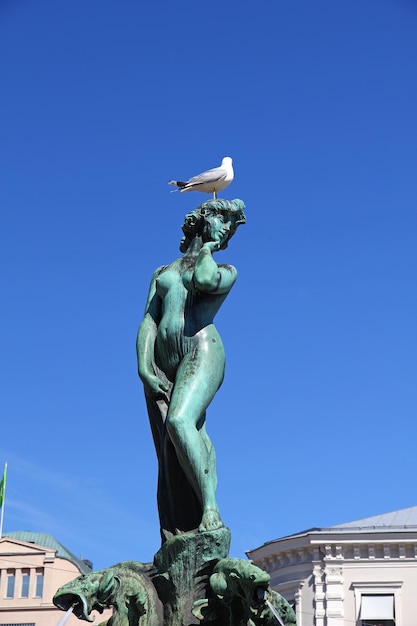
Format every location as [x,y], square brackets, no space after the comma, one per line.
[210,176]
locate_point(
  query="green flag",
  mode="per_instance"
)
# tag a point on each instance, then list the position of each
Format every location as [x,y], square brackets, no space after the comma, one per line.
[3,486]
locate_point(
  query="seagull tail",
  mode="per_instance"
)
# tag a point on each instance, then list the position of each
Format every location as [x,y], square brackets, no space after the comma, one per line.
[177,183]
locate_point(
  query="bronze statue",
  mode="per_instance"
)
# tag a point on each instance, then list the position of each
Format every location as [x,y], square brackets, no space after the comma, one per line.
[181,364]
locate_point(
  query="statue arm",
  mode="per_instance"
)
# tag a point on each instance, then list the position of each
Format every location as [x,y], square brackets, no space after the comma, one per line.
[145,341]
[208,276]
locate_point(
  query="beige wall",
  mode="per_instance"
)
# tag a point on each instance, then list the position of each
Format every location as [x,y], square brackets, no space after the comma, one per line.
[20,557]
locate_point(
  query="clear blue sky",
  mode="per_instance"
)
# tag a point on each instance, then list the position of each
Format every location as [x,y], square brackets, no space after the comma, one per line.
[102,102]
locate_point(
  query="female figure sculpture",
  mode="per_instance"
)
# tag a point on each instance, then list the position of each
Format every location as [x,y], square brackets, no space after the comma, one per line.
[181,364]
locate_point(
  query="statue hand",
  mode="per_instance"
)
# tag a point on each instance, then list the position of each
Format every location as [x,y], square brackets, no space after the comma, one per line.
[211,246]
[155,386]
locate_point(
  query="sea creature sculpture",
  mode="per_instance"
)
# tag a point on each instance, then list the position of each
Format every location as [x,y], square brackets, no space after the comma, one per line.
[126,586]
[237,592]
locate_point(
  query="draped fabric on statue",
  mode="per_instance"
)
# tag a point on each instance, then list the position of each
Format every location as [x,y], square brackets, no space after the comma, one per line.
[178,506]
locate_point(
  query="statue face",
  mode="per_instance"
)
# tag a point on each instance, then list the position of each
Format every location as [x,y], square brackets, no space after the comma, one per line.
[216,227]
[211,224]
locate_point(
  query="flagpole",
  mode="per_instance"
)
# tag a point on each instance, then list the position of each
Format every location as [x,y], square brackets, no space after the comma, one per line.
[3,494]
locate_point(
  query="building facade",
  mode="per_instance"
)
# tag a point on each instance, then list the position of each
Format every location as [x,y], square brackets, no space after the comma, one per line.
[361,573]
[32,567]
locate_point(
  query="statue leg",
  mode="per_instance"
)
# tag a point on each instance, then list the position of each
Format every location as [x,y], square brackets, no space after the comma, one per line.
[198,378]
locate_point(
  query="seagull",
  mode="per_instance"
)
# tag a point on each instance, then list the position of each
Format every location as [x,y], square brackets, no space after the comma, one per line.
[210,181]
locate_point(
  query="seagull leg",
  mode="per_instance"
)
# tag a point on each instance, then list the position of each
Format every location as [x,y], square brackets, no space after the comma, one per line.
[214,195]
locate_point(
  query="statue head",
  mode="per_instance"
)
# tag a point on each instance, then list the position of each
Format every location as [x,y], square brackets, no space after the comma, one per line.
[214,220]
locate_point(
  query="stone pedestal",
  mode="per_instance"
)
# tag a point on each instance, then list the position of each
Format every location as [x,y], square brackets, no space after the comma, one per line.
[184,564]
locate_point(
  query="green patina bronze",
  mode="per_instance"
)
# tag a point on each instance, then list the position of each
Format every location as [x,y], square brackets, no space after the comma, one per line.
[236,596]
[181,364]
[126,586]
[184,583]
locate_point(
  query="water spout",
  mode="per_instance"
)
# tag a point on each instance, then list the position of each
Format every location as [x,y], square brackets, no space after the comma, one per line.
[65,617]
[274,612]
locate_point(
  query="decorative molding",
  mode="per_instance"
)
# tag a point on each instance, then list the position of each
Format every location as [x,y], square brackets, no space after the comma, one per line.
[298,604]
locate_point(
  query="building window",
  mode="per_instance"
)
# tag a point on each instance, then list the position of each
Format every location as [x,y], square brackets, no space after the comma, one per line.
[24,591]
[377,610]
[11,577]
[377,622]
[39,583]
